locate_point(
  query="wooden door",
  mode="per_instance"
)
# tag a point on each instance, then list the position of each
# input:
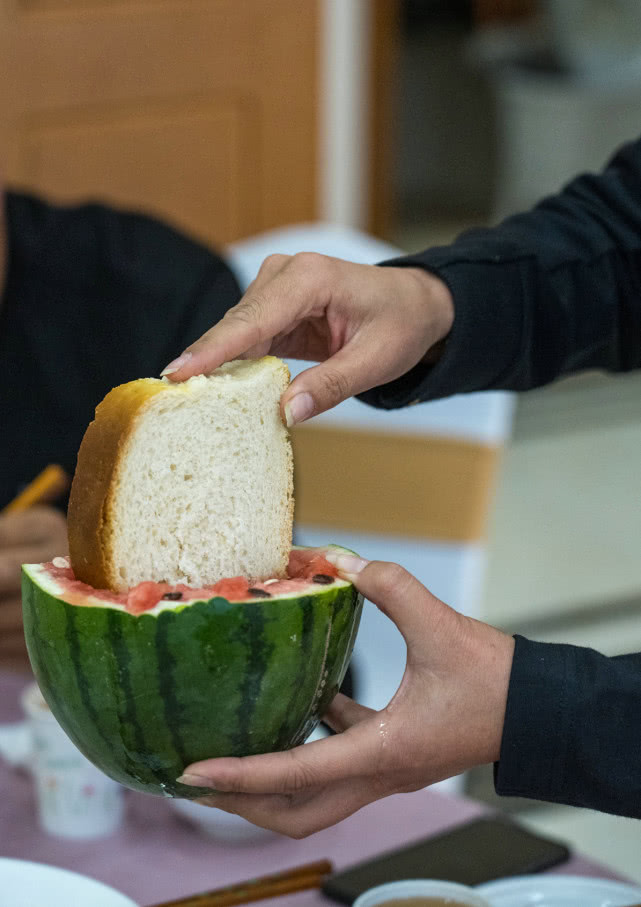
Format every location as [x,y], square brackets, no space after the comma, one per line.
[200,111]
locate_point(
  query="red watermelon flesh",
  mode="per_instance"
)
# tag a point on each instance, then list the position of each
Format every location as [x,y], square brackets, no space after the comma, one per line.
[304,566]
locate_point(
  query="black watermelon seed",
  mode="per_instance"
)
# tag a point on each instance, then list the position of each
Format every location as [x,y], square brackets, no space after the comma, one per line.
[322,579]
[259,593]
[172,596]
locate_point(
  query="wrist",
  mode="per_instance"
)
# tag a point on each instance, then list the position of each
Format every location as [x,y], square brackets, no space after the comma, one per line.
[500,667]
[490,656]
[436,294]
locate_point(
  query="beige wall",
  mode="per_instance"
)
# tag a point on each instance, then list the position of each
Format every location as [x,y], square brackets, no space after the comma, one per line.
[203,112]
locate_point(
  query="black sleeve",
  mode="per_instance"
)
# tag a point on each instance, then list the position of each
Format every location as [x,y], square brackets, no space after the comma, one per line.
[139,290]
[94,297]
[545,293]
[572,732]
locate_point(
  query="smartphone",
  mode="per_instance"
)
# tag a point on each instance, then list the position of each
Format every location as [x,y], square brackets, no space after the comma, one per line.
[472,853]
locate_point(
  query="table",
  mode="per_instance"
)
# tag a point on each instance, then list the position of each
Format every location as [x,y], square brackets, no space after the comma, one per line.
[157,855]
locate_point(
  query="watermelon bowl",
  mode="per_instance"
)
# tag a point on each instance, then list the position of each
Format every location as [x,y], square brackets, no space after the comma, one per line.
[147,682]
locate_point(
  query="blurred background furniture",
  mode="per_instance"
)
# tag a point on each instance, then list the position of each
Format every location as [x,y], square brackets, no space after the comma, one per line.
[225,118]
[173,108]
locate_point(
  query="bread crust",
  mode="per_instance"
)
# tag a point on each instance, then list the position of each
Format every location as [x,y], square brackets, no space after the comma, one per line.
[88,517]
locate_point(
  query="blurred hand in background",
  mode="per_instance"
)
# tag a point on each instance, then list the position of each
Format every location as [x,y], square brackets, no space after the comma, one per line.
[36,535]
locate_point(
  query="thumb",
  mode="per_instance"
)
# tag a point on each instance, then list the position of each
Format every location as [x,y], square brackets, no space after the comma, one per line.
[398,594]
[326,385]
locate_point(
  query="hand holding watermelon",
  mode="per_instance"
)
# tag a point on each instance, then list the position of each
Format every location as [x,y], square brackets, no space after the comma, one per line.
[446,717]
[366,325]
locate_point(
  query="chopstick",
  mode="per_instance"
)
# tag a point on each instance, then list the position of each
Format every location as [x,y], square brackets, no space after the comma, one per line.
[46,487]
[311,875]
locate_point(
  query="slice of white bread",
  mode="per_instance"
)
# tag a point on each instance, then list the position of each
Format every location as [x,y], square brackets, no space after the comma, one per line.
[185,483]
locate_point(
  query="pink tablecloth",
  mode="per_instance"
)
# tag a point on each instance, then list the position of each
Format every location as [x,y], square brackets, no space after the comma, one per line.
[157,855]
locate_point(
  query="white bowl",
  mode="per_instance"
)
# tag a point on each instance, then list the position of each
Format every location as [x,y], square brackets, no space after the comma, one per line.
[421,888]
[560,891]
[24,884]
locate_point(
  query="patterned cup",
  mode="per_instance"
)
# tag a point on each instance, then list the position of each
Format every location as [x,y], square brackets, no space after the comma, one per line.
[74,798]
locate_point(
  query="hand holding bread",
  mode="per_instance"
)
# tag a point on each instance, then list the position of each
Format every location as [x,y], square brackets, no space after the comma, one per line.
[365,325]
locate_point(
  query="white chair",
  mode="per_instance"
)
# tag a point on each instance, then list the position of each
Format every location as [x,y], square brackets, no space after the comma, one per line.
[437,462]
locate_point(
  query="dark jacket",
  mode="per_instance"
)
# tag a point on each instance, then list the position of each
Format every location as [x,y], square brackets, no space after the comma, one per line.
[94,297]
[544,294]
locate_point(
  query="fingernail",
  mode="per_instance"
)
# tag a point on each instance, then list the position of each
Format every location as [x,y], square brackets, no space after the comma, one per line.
[298,409]
[195,780]
[176,364]
[347,563]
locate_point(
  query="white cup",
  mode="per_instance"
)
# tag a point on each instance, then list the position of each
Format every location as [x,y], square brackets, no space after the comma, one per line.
[421,888]
[74,798]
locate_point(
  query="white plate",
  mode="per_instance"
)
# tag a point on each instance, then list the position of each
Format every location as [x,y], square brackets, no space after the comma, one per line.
[559,891]
[25,884]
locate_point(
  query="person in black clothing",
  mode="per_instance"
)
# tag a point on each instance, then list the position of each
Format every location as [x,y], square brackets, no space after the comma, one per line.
[546,293]
[90,297]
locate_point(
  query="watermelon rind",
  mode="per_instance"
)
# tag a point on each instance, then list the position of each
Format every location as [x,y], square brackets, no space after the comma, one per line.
[143,696]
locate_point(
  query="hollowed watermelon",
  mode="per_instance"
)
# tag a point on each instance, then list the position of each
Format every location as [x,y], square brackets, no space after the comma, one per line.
[145,685]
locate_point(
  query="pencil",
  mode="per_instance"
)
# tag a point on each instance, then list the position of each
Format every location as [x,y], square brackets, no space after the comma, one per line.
[46,487]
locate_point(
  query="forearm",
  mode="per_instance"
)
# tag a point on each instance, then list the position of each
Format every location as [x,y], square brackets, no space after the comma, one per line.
[546,293]
[571,732]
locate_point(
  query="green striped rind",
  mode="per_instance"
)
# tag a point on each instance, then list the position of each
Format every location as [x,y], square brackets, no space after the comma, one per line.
[144,696]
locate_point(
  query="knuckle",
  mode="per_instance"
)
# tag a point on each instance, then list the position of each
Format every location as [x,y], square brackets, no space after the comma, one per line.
[336,385]
[248,314]
[49,518]
[9,572]
[236,785]
[46,532]
[249,311]
[23,523]
[300,829]
[394,580]
[237,781]
[272,263]
[312,266]
[300,777]
[309,260]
